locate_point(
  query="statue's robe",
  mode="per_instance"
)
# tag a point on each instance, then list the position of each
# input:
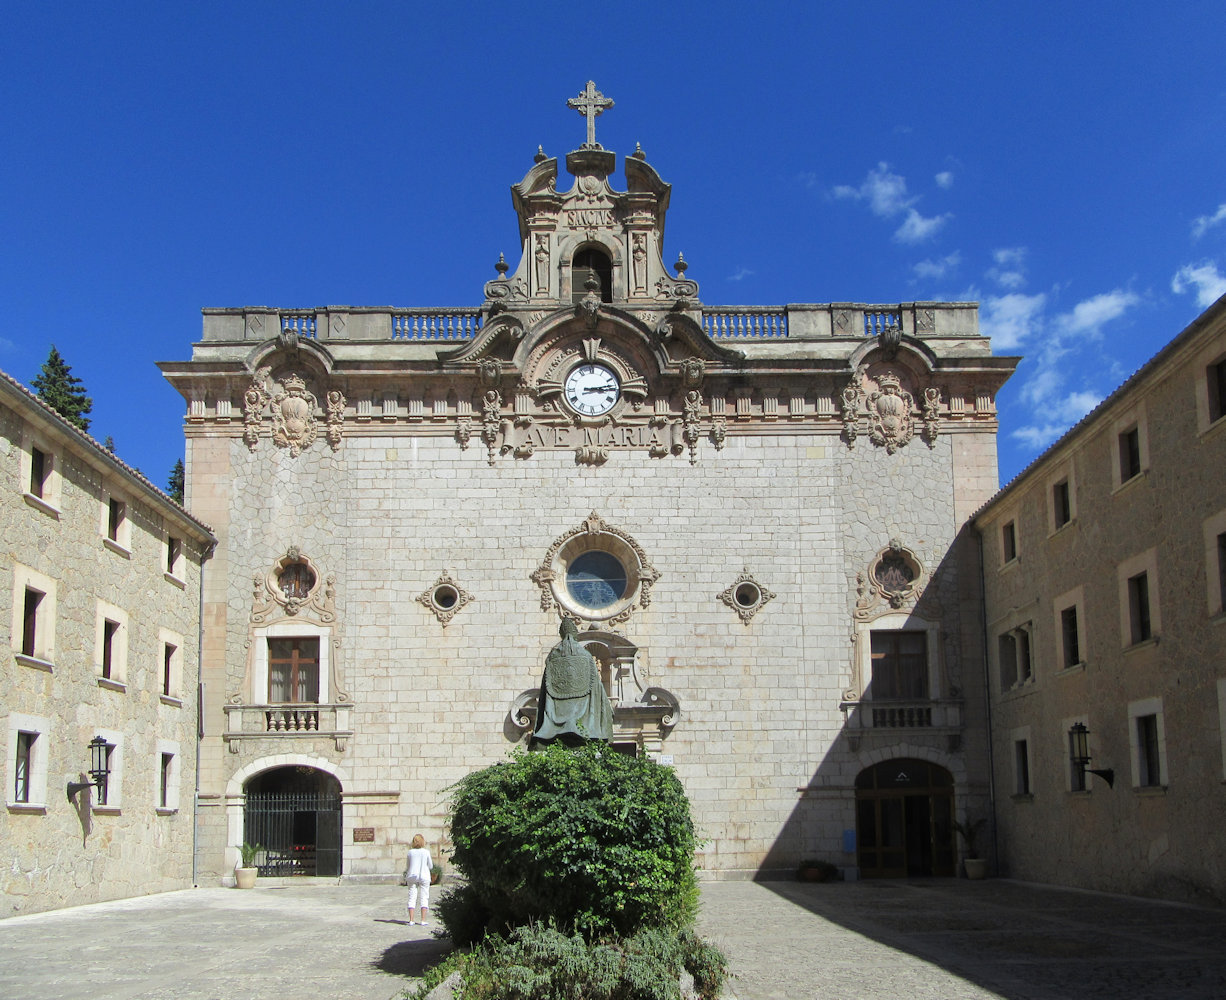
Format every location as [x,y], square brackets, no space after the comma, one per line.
[572,704]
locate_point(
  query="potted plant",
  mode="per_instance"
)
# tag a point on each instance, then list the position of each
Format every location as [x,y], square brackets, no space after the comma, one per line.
[436,874]
[812,870]
[244,875]
[975,866]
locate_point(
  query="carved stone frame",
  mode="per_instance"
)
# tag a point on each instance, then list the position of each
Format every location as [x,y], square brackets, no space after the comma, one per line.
[595,534]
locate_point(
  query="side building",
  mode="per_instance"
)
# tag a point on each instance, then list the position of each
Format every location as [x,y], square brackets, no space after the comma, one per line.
[1105,579]
[100,594]
[757,516]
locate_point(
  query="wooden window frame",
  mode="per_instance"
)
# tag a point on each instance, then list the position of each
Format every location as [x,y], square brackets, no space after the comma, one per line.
[295,680]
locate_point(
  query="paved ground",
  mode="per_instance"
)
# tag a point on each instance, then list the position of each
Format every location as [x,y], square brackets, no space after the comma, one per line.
[947,939]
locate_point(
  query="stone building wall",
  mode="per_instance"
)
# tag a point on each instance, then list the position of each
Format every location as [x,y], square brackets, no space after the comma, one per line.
[759,743]
[55,851]
[1156,835]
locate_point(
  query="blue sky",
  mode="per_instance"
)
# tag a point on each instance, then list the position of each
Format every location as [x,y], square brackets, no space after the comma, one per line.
[1062,164]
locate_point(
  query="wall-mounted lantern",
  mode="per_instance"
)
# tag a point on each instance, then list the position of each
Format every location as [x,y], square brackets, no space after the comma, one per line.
[98,769]
[1079,753]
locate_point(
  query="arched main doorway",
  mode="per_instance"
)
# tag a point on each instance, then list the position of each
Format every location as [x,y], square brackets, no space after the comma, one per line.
[904,819]
[295,814]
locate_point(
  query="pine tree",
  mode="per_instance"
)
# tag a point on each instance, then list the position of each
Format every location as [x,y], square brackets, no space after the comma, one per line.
[174,486]
[62,391]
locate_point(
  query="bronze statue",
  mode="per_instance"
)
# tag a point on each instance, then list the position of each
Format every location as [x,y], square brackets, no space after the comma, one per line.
[572,706]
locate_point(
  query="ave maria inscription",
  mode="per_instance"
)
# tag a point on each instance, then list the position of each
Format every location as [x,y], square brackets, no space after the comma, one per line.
[657,437]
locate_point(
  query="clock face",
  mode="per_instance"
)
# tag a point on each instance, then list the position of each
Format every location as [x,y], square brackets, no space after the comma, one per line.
[592,389]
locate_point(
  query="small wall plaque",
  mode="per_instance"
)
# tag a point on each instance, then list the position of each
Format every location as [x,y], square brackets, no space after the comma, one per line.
[363,834]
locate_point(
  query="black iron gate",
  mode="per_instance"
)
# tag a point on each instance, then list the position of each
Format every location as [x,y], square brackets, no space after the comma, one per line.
[300,832]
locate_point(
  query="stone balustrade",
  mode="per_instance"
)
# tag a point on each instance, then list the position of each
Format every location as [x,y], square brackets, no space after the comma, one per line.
[798,321]
[943,714]
[745,322]
[435,324]
[276,721]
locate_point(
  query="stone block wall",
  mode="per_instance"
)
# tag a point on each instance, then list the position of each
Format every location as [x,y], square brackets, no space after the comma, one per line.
[1149,835]
[58,852]
[760,742]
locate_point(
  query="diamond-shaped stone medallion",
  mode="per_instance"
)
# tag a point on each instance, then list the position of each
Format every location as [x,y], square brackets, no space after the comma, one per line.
[746,596]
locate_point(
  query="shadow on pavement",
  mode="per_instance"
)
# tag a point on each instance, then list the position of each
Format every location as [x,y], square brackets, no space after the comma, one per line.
[411,959]
[1023,941]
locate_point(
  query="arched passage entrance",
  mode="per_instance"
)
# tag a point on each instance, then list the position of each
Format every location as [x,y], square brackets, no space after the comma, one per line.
[904,819]
[295,814]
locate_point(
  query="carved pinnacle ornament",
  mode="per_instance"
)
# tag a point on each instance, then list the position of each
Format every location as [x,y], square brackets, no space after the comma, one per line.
[590,103]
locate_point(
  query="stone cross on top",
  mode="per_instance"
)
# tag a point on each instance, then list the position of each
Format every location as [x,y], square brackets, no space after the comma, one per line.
[590,103]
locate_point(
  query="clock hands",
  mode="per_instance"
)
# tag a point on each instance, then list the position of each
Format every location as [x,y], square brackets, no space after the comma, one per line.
[601,388]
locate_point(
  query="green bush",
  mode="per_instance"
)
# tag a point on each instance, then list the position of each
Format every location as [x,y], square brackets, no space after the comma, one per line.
[542,963]
[589,839]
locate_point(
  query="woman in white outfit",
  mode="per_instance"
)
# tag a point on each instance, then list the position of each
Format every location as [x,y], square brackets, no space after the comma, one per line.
[417,878]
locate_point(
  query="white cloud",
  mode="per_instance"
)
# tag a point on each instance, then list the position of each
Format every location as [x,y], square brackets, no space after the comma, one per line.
[1061,351]
[1009,270]
[1206,222]
[938,268]
[741,274]
[1011,319]
[916,228]
[887,197]
[1062,414]
[945,180]
[1092,314]
[1208,284]
[885,192]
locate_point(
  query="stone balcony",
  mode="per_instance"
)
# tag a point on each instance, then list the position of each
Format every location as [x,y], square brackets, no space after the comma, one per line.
[302,721]
[890,720]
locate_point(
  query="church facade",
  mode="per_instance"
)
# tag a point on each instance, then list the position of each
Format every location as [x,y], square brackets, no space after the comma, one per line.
[754,515]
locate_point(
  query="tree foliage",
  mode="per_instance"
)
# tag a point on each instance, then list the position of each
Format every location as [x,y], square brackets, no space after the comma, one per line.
[588,839]
[62,391]
[174,485]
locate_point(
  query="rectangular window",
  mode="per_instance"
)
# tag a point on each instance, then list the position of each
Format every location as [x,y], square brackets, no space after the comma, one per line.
[1138,607]
[1070,642]
[1221,569]
[114,518]
[1008,542]
[1216,375]
[1149,765]
[174,551]
[1130,454]
[1061,505]
[900,666]
[293,671]
[164,780]
[21,770]
[1013,653]
[39,468]
[109,630]
[1021,767]
[29,622]
[1007,654]
[168,659]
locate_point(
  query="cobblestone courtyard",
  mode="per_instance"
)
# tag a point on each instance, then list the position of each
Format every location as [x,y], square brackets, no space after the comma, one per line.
[949,939]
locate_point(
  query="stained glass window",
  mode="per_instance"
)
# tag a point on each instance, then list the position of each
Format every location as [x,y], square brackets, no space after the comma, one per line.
[596,580]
